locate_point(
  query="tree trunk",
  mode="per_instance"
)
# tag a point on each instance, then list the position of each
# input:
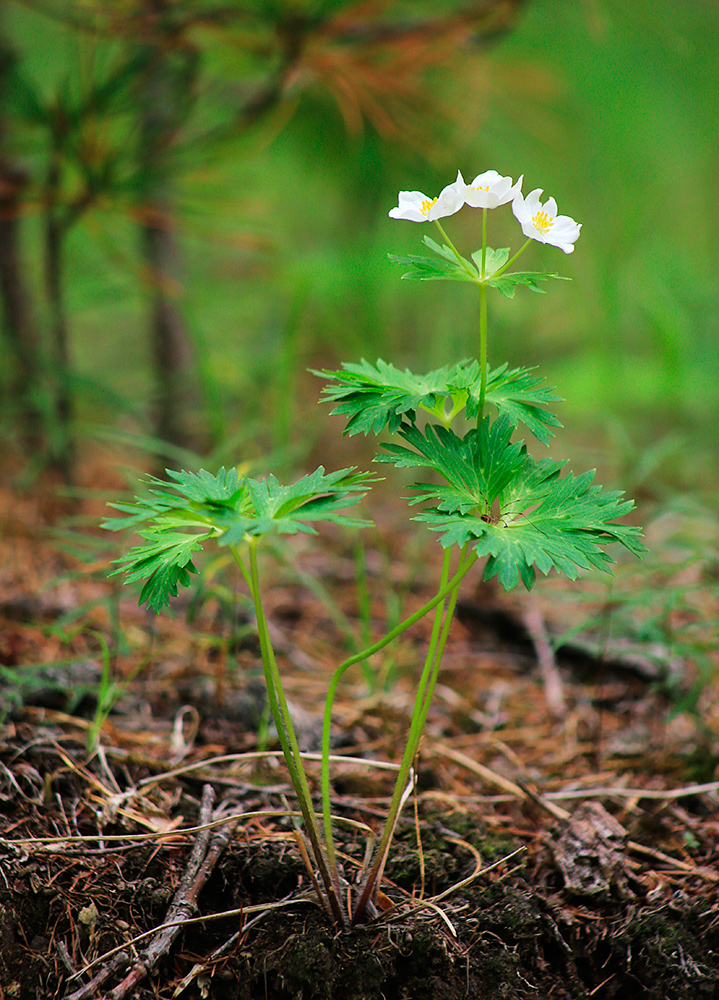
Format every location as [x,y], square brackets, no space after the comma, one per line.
[62,442]
[19,325]
[165,100]
[171,351]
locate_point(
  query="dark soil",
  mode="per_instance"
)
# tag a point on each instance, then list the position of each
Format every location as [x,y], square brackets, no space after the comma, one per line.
[523,929]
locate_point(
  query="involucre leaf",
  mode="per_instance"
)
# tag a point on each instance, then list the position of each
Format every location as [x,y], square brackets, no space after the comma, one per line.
[493,260]
[379,396]
[507,283]
[429,269]
[542,522]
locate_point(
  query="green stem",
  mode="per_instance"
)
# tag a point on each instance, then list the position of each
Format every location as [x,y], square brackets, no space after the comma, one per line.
[437,659]
[241,563]
[483,273]
[482,350]
[512,259]
[288,740]
[483,322]
[460,259]
[423,698]
[446,587]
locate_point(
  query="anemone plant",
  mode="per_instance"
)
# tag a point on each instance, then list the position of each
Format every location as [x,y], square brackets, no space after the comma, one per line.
[481,492]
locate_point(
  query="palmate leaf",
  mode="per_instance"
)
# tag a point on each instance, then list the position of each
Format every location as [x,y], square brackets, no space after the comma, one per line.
[507,283]
[164,561]
[450,266]
[518,394]
[195,507]
[522,514]
[543,522]
[476,467]
[195,498]
[289,509]
[373,397]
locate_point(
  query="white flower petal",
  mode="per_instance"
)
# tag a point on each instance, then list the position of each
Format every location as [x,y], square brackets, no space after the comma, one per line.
[541,222]
[413,206]
[490,189]
[450,200]
[417,207]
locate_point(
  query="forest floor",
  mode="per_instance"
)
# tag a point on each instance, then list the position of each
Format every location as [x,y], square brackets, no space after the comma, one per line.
[562,839]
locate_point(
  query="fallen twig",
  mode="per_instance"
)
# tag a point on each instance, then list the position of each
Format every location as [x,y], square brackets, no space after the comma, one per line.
[240,911]
[118,961]
[205,854]
[202,862]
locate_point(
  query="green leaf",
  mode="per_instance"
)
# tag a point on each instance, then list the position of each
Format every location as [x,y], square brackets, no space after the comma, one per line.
[494,259]
[195,507]
[507,283]
[195,499]
[164,561]
[449,254]
[204,488]
[163,584]
[542,522]
[476,467]
[450,267]
[288,509]
[429,269]
[515,393]
[373,397]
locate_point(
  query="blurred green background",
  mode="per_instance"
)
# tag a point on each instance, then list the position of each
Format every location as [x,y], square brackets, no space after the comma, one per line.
[278,212]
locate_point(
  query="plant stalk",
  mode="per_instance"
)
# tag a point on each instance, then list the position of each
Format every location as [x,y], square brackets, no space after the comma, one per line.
[482,351]
[512,259]
[446,587]
[288,742]
[460,259]
[423,699]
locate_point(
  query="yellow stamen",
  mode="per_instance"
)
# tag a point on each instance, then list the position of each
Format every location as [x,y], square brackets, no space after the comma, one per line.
[426,206]
[478,187]
[542,222]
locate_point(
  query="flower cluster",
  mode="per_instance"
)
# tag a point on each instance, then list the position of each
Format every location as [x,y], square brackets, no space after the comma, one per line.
[489,190]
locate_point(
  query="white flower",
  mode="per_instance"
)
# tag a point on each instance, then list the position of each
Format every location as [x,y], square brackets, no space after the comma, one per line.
[541,222]
[417,207]
[490,189]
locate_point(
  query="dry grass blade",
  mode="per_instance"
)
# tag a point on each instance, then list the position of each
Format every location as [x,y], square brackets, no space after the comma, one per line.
[707,874]
[480,770]
[231,758]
